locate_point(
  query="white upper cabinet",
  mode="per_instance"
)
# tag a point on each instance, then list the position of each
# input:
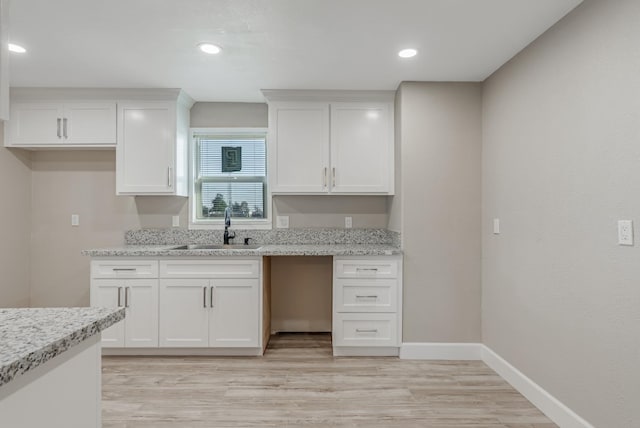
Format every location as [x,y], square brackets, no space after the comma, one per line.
[299,147]
[331,143]
[152,150]
[61,124]
[361,148]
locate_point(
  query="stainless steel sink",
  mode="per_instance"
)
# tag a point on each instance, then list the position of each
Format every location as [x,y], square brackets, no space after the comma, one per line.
[216,247]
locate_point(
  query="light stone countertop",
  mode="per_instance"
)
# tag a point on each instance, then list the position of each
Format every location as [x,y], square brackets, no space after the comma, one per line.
[30,337]
[264,250]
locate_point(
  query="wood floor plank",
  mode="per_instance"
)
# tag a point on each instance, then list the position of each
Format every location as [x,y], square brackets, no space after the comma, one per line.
[299,383]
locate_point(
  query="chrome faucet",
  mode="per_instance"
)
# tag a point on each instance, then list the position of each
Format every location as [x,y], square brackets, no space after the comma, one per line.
[227,225]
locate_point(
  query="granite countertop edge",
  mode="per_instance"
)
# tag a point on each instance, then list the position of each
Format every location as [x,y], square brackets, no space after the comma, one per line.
[264,250]
[22,363]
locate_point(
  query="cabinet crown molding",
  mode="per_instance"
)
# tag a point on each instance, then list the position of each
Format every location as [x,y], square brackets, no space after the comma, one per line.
[327,95]
[115,94]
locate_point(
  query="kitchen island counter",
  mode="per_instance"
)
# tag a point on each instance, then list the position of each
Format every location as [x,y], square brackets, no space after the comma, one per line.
[30,337]
[50,361]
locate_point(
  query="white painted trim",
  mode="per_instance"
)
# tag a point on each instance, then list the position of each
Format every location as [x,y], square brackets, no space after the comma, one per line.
[163,352]
[365,351]
[545,402]
[441,351]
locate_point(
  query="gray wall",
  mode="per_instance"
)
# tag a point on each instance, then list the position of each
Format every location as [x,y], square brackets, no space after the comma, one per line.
[15,215]
[440,139]
[561,164]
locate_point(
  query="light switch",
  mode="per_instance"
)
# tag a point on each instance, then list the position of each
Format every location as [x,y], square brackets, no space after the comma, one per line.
[496,226]
[625,232]
[75,220]
[348,222]
[282,222]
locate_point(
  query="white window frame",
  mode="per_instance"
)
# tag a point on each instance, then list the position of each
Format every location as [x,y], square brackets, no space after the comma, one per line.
[265,223]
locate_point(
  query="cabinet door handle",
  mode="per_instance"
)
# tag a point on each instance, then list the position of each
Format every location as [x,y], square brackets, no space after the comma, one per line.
[169,176]
[119,296]
[126,297]
[204,297]
[211,298]
[333,178]
[366,330]
[324,182]
[373,296]
[64,128]
[59,133]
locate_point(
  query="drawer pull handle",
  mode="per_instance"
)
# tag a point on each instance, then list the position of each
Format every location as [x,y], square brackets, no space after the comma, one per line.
[124,269]
[368,269]
[366,330]
[367,297]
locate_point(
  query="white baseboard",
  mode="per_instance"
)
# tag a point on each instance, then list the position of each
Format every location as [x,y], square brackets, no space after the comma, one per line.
[555,410]
[441,351]
[365,351]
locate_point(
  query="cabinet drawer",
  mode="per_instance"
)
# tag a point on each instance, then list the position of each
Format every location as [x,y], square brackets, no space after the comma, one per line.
[373,268]
[124,269]
[224,268]
[365,330]
[366,295]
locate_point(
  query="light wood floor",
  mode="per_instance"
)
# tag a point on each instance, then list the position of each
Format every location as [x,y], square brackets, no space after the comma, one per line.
[299,383]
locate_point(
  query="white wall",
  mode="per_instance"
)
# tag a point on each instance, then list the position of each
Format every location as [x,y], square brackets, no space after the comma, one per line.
[440,139]
[15,215]
[561,164]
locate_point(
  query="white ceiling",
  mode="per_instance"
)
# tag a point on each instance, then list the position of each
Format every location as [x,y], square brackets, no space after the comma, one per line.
[275,44]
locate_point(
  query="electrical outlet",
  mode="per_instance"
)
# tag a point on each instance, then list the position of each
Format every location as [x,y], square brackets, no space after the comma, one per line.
[282,222]
[625,232]
[496,226]
[175,221]
[348,222]
[75,220]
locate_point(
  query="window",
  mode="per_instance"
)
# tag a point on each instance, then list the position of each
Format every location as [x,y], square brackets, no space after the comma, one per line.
[229,170]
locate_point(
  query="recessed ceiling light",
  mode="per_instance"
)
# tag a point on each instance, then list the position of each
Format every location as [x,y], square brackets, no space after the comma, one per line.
[209,48]
[407,53]
[16,48]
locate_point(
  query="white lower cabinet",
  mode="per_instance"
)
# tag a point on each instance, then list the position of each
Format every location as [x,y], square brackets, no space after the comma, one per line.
[367,305]
[140,298]
[213,304]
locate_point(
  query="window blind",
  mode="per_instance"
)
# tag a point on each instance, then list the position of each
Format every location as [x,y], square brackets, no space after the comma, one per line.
[230,171]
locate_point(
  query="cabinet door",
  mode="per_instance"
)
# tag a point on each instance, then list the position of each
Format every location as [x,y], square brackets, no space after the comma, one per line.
[145,150]
[109,293]
[184,313]
[299,147]
[361,147]
[36,124]
[234,320]
[141,321]
[89,123]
